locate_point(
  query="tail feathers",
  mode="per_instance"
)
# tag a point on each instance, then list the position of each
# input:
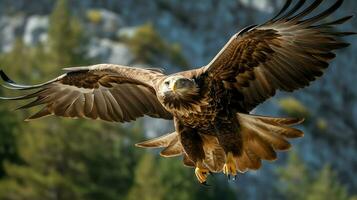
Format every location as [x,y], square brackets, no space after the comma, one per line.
[214,153]
[275,131]
[170,142]
[187,161]
[173,149]
[248,160]
[262,136]
[162,141]
[261,148]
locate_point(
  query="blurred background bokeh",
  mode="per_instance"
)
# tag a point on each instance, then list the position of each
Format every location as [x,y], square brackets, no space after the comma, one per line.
[69,159]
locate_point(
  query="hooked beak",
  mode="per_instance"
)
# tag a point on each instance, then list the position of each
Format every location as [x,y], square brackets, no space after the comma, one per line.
[174,87]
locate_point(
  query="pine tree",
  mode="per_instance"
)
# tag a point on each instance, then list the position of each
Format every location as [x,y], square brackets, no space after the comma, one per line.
[299,183]
[66,37]
[294,178]
[147,185]
[62,159]
[326,186]
[167,179]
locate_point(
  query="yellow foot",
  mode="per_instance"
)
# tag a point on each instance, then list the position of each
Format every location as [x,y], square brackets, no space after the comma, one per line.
[201,174]
[230,167]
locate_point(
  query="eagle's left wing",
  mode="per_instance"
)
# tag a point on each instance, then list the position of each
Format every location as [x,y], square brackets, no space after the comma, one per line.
[105,91]
[286,53]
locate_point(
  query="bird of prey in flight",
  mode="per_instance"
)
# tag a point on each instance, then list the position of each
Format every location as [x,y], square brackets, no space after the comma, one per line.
[210,106]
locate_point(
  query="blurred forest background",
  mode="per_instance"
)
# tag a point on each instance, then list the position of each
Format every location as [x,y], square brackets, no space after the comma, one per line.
[65,159]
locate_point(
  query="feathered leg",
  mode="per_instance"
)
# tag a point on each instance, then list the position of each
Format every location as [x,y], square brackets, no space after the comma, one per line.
[193,147]
[231,142]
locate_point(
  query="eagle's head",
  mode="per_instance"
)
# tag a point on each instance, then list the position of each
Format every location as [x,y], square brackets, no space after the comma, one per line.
[177,91]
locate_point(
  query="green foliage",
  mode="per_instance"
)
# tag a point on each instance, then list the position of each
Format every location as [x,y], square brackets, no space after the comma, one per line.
[294,179]
[58,158]
[147,185]
[66,37]
[148,47]
[298,183]
[164,179]
[321,124]
[94,16]
[294,107]
[91,161]
[8,133]
[326,186]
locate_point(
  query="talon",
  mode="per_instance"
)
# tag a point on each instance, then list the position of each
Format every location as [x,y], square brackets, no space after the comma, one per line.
[235,177]
[230,167]
[202,174]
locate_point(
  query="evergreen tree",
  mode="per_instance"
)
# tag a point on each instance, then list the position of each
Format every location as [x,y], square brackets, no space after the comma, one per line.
[9,130]
[62,158]
[167,179]
[294,178]
[326,186]
[299,183]
[66,37]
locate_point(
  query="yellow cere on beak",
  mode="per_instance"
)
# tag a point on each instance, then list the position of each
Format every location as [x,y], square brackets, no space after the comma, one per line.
[174,87]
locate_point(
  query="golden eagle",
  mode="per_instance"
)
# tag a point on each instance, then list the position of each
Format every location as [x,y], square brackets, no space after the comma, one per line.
[210,106]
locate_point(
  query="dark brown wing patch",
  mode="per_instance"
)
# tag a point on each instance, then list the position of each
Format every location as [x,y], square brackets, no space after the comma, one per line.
[286,53]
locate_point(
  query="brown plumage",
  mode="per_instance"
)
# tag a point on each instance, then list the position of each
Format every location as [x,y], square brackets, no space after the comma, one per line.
[210,105]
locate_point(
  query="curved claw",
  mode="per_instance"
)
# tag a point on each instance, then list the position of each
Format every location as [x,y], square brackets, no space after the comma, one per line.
[230,167]
[235,177]
[201,174]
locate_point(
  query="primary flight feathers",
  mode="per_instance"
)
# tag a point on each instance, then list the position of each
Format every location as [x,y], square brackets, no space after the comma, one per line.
[121,93]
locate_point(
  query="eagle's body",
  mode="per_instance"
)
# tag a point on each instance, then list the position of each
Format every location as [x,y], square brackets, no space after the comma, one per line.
[210,105]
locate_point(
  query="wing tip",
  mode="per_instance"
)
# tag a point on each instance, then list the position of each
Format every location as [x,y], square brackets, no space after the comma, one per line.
[145,144]
[140,145]
[4,77]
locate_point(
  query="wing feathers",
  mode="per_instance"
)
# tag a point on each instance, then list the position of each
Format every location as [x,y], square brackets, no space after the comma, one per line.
[289,51]
[324,14]
[107,92]
[285,7]
[262,136]
[294,9]
[307,11]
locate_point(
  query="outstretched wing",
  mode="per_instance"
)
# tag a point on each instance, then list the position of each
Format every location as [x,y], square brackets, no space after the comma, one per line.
[285,53]
[108,92]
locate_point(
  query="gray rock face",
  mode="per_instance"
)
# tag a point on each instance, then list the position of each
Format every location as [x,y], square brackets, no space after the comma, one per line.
[10,29]
[110,52]
[36,30]
[103,23]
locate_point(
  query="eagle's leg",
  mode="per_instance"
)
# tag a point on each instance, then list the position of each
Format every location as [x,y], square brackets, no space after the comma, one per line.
[193,146]
[231,143]
[230,166]
[201,172]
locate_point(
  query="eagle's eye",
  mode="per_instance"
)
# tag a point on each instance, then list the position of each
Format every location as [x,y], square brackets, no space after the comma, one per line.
[167,83]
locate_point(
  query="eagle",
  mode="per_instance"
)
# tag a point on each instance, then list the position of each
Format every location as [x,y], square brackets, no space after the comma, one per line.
[211,106]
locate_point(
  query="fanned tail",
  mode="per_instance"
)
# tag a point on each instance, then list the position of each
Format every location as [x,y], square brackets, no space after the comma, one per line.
[214,153]
[262,137]
[170,142]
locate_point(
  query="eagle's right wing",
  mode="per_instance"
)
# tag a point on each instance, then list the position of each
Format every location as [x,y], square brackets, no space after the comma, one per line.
[107,92]
[286,53]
